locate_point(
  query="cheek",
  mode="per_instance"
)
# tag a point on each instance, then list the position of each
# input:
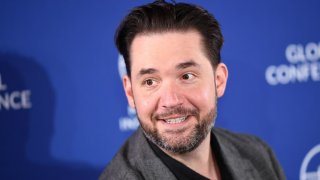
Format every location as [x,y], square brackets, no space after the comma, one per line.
[203,97]
[145,105]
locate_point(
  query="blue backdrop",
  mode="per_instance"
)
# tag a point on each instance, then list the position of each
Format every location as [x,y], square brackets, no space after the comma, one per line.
[63,113]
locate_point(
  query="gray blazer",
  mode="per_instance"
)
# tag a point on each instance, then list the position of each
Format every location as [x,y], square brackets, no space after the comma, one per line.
[247,157]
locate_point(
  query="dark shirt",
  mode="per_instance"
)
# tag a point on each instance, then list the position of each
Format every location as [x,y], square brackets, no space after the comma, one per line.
[183,172]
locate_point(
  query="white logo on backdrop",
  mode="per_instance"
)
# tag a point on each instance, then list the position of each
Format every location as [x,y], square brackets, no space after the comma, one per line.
[13,100]
[130,121]
[305,172]
[304,65]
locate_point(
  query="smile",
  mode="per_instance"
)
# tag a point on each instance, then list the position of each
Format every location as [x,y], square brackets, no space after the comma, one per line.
[175,120]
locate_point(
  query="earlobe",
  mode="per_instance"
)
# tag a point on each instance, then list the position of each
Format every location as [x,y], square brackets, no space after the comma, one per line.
[128,90]
[221,76]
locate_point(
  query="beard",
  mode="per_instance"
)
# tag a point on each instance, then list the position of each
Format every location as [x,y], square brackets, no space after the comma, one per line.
[173,141]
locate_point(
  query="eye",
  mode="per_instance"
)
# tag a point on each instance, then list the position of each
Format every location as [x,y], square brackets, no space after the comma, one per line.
[149,82]
[187,76]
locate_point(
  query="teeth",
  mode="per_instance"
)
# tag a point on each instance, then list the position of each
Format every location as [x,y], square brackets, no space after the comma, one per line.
[175,120]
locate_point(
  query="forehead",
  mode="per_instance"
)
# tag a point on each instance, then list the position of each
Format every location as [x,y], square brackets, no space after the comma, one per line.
[154,49]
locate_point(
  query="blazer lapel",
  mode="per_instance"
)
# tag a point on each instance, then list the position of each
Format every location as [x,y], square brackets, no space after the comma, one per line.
[238,166]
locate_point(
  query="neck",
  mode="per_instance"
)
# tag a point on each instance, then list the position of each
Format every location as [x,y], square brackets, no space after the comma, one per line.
[201,159]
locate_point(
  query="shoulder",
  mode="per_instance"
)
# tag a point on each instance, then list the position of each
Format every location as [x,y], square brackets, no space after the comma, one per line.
[124,163]
[247,145]
[238,139]
[136,160]
[250,150]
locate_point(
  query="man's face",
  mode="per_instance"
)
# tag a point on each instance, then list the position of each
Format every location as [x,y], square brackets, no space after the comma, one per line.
[174,88]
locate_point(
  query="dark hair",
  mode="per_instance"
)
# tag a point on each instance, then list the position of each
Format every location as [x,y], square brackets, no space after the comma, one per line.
[161,16]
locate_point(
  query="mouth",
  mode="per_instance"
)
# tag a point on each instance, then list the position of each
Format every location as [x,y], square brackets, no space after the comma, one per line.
[175,120]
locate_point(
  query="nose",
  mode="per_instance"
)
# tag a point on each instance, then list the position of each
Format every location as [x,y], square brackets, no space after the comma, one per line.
[170,96]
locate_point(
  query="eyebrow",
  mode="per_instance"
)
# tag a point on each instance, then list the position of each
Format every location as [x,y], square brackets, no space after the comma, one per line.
[179,66]
[187,64]
[147,71]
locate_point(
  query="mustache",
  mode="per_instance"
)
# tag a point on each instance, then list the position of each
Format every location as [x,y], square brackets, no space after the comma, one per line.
[176,111]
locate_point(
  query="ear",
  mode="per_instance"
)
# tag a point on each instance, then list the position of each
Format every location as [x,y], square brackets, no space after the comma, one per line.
[128,90]
[221,76]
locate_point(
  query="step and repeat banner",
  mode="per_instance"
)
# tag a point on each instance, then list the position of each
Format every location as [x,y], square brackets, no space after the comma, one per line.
[63,112]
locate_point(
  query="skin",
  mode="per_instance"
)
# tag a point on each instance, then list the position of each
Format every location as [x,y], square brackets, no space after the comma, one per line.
[172,78]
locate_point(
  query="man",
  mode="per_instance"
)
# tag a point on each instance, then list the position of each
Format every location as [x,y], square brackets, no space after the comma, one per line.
[174,77]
